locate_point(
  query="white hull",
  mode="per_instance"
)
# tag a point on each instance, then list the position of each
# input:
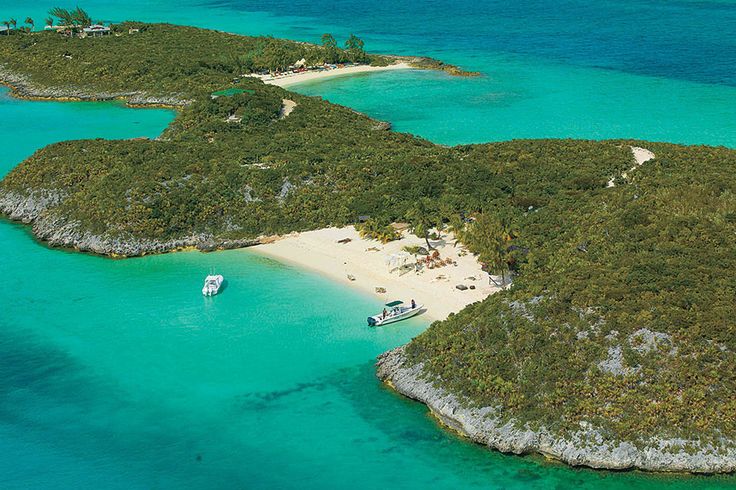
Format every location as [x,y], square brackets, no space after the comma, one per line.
[212,285]
[406,312]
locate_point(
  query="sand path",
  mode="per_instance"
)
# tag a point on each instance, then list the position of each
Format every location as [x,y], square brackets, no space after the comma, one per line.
[641,156]
[287,107]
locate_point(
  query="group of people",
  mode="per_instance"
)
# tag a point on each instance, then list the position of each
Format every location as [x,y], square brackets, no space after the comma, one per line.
[385,312]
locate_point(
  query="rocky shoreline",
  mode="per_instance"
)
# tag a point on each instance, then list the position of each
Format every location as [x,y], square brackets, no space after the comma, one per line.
[22,87]
[587,447]
[55,231]
[31,209]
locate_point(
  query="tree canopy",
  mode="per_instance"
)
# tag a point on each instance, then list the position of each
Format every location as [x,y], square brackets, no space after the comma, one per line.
[621,310]
[354,48]
[75,18]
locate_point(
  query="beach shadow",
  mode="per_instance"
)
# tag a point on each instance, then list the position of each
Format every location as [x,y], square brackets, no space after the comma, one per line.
[438,243]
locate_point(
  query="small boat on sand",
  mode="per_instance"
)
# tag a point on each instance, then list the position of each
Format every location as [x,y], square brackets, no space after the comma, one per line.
[393,312]
[212,285]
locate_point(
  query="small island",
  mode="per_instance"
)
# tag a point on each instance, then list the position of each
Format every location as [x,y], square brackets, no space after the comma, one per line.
[610,340]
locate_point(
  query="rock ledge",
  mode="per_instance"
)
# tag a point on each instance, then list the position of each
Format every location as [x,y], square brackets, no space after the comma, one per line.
[23,87]
[587,447]
[33,209]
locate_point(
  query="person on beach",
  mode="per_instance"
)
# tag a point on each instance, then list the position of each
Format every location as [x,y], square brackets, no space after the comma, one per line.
[384,313]
[413,304]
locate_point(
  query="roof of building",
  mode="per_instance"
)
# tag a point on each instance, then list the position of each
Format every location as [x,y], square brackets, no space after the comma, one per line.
[96,28]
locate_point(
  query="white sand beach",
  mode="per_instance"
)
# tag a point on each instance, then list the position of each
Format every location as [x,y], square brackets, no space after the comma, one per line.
[309,76]
[365,262]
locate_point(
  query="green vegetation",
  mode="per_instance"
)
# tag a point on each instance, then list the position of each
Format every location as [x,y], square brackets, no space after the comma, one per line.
[354,49]
[330,45]
[620,313]
[491,239]
[374,230]
[422,217]
[74,20]
[353,53]
[322,165]
[161,60]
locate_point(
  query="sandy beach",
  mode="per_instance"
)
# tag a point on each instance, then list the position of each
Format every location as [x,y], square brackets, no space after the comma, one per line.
[365,262]
[309,76]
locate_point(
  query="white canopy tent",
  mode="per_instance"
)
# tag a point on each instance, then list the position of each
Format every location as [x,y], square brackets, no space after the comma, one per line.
[399,261]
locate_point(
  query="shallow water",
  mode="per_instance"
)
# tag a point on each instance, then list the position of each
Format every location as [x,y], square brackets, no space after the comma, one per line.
[646,69]
[118,374]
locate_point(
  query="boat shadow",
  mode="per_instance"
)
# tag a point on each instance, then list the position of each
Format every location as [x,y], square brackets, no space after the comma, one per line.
[421,312]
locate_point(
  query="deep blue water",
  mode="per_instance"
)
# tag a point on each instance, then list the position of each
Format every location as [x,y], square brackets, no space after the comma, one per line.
[687,40]
[646,69]
[118,374]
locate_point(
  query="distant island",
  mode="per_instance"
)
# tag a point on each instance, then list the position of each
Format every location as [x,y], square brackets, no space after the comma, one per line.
[613,345]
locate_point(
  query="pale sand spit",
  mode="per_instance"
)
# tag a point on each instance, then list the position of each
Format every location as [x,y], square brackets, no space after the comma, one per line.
[309,76]
[362,264]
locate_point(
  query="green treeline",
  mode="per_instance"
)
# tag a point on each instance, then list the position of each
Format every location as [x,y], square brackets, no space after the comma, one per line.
[160,59]
[621,314]
[621,308]
[74,20]
[208,175]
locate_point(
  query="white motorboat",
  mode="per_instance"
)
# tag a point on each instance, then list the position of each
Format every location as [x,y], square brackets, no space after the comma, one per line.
[395,311]
[212,285]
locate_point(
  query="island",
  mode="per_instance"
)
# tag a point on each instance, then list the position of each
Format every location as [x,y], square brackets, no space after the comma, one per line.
[610,340]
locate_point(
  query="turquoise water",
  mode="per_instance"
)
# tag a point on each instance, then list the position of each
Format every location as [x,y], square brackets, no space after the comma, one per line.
[554,102]
[27,126]
[118,374]
[571,68]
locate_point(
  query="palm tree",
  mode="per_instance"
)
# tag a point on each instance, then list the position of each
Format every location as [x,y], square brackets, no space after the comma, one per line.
[354,47]
[491,238]
[62,14]
[457,227]
[50,21]
[6,23]
[65,17]
[422,217]
[14,23]
[330,48]
[30,22]
[81,18]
